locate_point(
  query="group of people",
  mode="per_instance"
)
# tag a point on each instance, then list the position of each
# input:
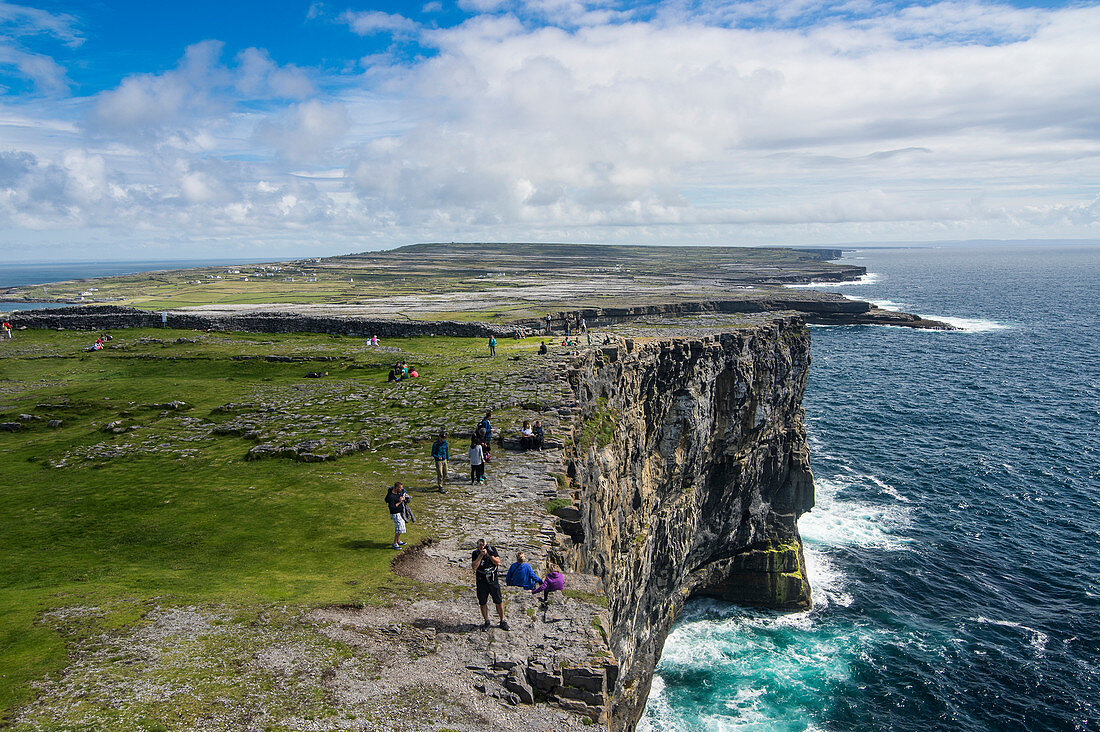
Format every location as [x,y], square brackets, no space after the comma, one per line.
[486,563]
[99,343]
[570,324]
[401,371]
[480,445]
[531,436]
[372,341]
[485,560]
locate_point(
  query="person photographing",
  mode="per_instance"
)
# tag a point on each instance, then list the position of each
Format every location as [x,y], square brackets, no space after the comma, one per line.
[397,499]
[486,565]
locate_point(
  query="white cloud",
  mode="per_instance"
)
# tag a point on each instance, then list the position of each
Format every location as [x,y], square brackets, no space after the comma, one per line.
[728,122]
[370,22]
[305,130]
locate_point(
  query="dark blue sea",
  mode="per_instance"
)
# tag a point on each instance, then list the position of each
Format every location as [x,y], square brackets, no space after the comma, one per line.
[954,550]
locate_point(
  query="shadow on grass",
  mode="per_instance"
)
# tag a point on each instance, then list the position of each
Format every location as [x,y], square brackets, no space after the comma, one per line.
[366,544]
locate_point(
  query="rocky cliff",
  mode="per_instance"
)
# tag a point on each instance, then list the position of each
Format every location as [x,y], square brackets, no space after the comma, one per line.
[690,468]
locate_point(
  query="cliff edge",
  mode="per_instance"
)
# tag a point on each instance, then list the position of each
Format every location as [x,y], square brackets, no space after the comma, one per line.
[690,469]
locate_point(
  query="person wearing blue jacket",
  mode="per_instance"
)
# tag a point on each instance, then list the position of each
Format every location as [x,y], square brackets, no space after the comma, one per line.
[485,427]
[522,574]
[441,453]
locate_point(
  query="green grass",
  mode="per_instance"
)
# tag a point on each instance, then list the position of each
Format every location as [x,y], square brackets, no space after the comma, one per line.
[196,523]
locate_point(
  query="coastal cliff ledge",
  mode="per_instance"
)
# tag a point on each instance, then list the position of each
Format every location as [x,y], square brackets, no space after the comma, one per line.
[690,468]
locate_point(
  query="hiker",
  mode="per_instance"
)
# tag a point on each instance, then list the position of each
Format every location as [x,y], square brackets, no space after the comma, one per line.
[7,330]
[522,574]
[486,565]
[477,461]
[543,350]
[584,326]
[537,435]
[486,427]
[397,498]
[526,436]
[404,370]
[441,453]
[549,319]
[554,582]
[566,319]
[393,375]
[492,345]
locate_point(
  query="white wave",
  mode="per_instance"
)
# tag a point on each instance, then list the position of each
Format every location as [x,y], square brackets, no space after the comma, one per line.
[888,489]
[887,305]
[868,279]
[1037,639]
[970,325]
[826,581]
[834,522]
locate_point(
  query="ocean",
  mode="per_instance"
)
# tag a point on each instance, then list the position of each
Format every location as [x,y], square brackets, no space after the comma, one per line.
[954,550]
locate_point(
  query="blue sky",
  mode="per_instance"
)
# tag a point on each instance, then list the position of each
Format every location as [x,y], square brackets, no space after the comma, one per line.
[132,130]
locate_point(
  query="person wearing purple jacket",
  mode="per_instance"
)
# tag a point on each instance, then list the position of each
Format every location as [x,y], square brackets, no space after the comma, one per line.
[554,582]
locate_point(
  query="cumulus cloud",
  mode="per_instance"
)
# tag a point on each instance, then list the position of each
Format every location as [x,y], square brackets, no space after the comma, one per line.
[305,130]
[200,86]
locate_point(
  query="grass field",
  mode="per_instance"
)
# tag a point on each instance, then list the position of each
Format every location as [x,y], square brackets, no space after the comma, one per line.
[446,269]
[162,510]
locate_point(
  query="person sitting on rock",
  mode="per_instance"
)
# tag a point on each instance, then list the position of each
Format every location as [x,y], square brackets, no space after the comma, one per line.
[543,350]
[537,435]
[393,375]
[554,582]
[522,574]
[526,436]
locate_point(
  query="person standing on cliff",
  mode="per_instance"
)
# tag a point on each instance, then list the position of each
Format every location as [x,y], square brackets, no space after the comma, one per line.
[477,461]
[486,565]
[485,427]
[441,453]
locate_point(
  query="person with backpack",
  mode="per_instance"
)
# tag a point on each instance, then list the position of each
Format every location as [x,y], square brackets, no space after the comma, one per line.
[486,565]
[492,345]
[397,498]
[441,453]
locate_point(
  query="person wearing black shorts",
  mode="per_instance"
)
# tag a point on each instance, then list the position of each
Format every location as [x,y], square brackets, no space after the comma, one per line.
[486,565]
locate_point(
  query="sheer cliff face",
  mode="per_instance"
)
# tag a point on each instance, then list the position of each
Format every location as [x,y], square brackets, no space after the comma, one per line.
[691,467]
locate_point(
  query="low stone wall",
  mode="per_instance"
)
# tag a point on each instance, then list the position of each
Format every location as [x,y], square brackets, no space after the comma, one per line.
[113,317]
